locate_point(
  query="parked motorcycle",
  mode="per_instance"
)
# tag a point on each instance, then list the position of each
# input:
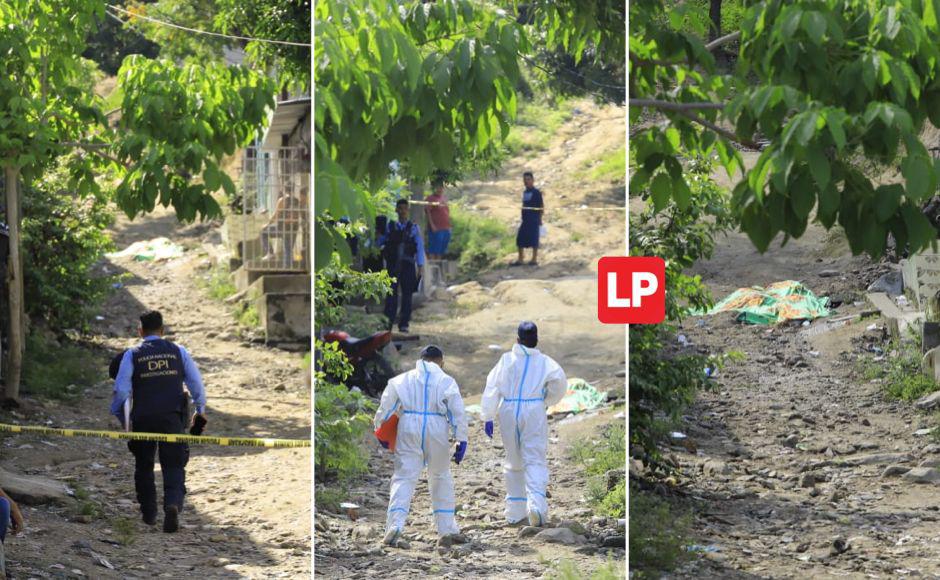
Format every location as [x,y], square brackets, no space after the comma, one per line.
[371,370]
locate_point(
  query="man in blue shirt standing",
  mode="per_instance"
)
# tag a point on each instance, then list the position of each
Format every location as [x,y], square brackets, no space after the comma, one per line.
[152,376]
[403,252]
[532,212]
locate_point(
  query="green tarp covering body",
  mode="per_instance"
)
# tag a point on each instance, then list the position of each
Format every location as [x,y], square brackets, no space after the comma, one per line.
[778,302]
[581,396]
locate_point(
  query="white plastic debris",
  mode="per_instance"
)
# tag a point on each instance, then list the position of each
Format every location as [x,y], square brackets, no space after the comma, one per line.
[495,347]
[872,327]
[677,435]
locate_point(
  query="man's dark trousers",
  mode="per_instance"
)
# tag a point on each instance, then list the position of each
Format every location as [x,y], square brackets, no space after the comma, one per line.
[173,460]
[407,283]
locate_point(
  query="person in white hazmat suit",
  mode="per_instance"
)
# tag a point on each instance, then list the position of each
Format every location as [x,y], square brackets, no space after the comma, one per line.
[430,410]
[519,389]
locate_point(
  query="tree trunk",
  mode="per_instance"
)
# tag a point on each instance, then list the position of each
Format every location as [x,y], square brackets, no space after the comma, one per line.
[714,14]
[14,285]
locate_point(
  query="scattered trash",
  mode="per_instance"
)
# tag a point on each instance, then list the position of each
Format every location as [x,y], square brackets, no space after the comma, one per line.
[495,348]
[153,250]
[872,327]
[698,548]
[581,396]
[922,432]
[814,353]
[352,510]
[677,435]
[683,340]
[787,300]
[117,285]
[99,317]
[700,322]
[710,372]
[902,301]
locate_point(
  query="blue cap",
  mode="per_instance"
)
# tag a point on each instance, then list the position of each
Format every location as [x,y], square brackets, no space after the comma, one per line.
[527,330]
[431,351]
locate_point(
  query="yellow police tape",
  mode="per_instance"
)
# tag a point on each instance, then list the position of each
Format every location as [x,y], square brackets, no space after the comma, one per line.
[162,437]
[563,208]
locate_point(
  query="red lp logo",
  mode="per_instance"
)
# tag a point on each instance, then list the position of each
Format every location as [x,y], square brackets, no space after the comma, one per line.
[631,290]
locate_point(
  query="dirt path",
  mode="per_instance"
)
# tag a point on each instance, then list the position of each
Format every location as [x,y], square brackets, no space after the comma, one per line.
[473,324]
[248,511]
[790,454]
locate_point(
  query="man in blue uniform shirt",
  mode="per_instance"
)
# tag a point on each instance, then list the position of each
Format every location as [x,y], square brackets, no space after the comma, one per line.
[403,252]
[152,376]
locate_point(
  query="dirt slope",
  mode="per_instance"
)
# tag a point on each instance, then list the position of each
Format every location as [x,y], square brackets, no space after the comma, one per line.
[248,511]
[473,325]
[791,454]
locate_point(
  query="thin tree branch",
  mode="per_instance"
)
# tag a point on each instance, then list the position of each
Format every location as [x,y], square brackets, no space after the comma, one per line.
[723,41]
[723,132]
[674,106]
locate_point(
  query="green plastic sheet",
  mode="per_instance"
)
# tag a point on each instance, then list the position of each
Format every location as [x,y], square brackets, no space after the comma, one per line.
[580,397]
[781,301]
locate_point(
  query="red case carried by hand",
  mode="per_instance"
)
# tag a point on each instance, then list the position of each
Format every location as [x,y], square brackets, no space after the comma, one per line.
[388,432]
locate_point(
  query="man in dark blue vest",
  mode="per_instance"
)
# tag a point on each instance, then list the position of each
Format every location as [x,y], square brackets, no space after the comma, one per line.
[151,375]
[403,252]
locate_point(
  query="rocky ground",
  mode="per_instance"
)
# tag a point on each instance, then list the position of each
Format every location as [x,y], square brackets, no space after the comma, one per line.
[474,323]
[248,510]
[798,466]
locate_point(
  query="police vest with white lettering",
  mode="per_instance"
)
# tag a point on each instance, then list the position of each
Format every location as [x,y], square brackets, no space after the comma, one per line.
[157,381]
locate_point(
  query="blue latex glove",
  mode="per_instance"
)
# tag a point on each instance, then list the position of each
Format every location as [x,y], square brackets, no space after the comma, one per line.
[488,428]
[461,450]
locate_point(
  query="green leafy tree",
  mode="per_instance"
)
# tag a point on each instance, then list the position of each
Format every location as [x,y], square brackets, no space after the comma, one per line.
[835,94]
[663,380]
[175,44]
[276,20]
[341,415]
[175,127]
[64,237]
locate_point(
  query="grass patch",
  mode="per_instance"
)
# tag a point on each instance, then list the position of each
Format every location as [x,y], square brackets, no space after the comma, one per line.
[85,506]
[361,323]
[900,372]
[217,283]
[536,124]
[58,370]
[659,538]
[598,457]
[330,498]
[612,167]
[568,570]
[477,240]
[125,530]
[248,316]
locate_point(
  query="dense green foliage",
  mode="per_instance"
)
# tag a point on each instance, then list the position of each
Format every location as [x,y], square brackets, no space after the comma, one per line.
[834,86]
[63,238]
[342,417]
[600,456]
[175,123]
[59,369]
[111,42]
[901,372]
[287,20]
[664,382]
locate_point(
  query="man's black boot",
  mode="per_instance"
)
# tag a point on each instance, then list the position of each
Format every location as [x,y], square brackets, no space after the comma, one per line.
[150,517]
[171,519]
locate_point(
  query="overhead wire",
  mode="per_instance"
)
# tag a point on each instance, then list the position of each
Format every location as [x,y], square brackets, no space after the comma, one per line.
[197,31]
